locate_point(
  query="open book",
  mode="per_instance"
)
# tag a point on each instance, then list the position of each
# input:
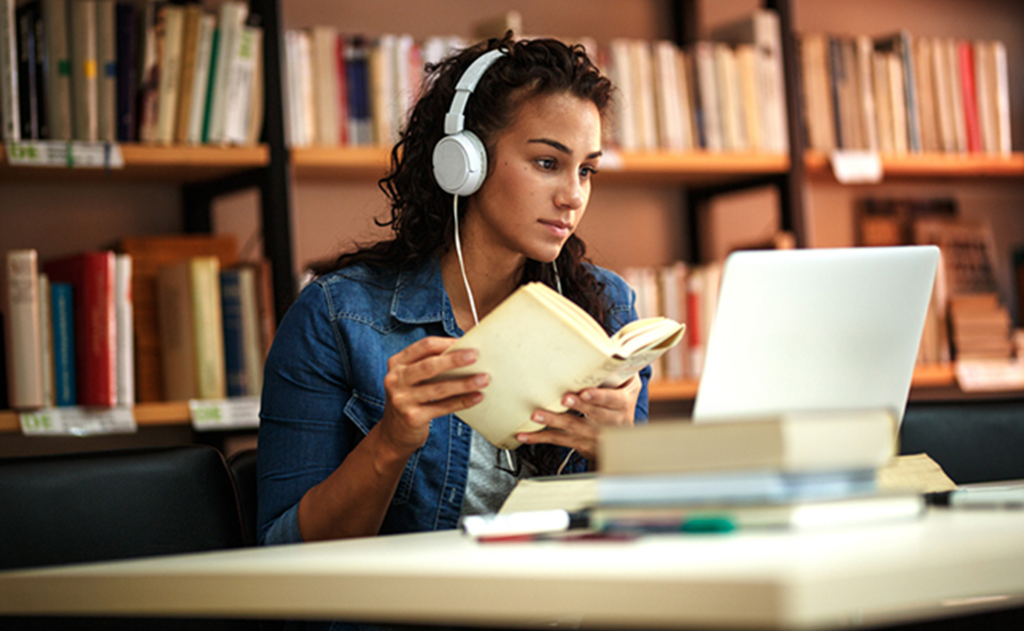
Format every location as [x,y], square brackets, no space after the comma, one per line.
[538,345]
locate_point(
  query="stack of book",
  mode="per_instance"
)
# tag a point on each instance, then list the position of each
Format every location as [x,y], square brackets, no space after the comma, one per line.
[788,472]
[100,70]
[899,94]
[980,327]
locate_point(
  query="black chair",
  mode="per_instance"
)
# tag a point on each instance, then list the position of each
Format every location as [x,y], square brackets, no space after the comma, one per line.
[975,441]
[116,505]
[243,470]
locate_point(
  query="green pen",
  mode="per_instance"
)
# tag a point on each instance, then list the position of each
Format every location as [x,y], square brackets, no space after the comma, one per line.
[709,524]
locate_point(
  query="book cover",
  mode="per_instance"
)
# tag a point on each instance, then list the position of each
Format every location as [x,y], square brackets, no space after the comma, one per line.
[58,69]
[84,72]
[106,71]
[62,312]
[24,343]
[127,71]
[536,346]
[10,121]
[792,442]
[91,274]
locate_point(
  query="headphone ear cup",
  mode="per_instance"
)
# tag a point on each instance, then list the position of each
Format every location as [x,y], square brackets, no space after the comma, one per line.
[460,163]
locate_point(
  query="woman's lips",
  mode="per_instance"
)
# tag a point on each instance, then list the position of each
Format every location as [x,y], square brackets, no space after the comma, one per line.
[558,228]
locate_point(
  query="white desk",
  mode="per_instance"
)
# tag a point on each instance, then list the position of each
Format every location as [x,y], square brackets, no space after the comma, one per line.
[949,563]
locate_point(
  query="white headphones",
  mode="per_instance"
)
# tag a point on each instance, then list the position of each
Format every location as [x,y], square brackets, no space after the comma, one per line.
[460,160]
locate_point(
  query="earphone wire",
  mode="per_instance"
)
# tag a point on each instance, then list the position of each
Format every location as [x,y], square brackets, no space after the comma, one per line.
[476,318]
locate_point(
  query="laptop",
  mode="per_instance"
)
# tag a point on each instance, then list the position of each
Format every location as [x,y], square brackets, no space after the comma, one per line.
[816,330]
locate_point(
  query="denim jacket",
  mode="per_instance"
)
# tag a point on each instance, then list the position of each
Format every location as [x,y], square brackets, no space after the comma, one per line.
[324,390]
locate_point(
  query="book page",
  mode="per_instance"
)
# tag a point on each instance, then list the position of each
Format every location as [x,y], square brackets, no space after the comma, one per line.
[917,472]
[568,492]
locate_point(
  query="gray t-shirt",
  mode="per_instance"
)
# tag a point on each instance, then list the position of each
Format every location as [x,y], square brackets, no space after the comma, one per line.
[489,480]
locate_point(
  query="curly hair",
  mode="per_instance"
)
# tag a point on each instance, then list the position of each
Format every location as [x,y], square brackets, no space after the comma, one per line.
[421,217]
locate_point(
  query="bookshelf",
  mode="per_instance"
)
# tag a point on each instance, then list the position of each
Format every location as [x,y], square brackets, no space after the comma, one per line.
[924,167]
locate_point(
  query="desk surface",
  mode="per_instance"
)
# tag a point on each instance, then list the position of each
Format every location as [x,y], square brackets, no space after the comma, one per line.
[948,563]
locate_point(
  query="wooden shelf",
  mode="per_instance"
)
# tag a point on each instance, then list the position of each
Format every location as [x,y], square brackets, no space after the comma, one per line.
[371,163]
[931,165]
[177,164]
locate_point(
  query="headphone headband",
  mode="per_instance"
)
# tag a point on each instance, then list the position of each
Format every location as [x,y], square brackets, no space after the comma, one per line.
[454,120]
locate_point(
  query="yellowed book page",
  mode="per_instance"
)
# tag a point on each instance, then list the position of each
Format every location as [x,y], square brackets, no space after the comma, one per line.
[571,493]
[917,472]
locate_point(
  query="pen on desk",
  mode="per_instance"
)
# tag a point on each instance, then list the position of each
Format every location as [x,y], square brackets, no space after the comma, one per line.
[993,497]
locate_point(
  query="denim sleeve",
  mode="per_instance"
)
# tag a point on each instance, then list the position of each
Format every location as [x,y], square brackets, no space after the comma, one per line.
[302,434]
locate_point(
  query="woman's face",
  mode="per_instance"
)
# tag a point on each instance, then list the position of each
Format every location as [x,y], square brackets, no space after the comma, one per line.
[539,181]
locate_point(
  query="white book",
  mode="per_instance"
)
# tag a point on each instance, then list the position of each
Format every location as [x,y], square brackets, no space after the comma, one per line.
[1002,90]
[983,90]
[684,75]
[292,92]
[733,128]
[405,84]
[752,99]
[943,96]
[24,344]
[240,81]
[643,89]
[10,118]
[230,23]
[883,103]
[306,100]
[622,76]
[46,339]
[667,92]
[899,104]
[124,317]
[201,79]
[959,122]
[325,88]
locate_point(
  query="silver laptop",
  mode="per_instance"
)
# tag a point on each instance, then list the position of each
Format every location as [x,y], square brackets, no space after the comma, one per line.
[816,330]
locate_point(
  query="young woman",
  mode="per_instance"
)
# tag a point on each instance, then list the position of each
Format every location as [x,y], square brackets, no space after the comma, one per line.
[354,439]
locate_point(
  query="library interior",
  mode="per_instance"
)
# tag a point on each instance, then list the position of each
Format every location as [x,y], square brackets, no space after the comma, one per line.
[173,172]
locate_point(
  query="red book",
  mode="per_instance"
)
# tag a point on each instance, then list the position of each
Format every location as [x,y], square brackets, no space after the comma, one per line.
[91,275]
[965,55]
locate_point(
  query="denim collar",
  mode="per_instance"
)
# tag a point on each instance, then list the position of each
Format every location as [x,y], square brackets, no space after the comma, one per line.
[420,297]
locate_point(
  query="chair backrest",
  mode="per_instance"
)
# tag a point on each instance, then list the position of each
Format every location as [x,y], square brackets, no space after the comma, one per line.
[116,505]
[243,469]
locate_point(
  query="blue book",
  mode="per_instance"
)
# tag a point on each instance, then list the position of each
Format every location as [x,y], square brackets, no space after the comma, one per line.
[234,344]
[356,66]
[63,315]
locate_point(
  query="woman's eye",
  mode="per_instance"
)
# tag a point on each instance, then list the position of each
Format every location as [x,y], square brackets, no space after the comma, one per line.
[587,172]
[546,163]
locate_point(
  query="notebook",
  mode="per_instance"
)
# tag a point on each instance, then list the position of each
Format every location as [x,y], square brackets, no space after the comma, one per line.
[815,330]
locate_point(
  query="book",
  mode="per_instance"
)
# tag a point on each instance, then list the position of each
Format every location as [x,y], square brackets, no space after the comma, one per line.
[41,62]
[234,343]
[45,338]
[28,79]
[201,79]
[241,71]
[805,515]
[190,58]
[10,120]
[791,442]
[124,314]
[127,25]
[84,80]
[169,40]
[106,71]
[537,345]
[254,352]
[230,27]
[92,276]
[191,333]
[24,342]
[62,315]
[58,69]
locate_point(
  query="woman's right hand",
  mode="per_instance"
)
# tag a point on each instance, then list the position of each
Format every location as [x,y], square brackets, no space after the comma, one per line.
[412,402]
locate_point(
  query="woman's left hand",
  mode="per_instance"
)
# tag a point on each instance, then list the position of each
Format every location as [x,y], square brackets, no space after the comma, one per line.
[598,406]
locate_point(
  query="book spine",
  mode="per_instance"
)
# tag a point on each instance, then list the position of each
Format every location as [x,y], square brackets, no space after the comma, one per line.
[189,60]
[170,72]
[85,121]
[234,345]
[359,94]
[25,371]
[253,351]
[58,70]
[124,314]
[239,87]
[201,82]
[215,54]
[28,109]
[207,321]
[62,311]
[10,121]
[42,63]
[965,56]
[232,20]
[106,82]
[45,339]
[912,98]
[127,72]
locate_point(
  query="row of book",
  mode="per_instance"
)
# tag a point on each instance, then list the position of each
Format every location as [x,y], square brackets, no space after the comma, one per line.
[901,94]
[159,320]
[726,95]
[100,70]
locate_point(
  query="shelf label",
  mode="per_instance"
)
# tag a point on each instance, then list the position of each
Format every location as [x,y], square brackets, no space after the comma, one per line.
[215,414]
[857,167]
[78,421]
[71,155]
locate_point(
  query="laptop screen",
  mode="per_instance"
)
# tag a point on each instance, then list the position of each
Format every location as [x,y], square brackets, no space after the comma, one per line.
[816,330]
